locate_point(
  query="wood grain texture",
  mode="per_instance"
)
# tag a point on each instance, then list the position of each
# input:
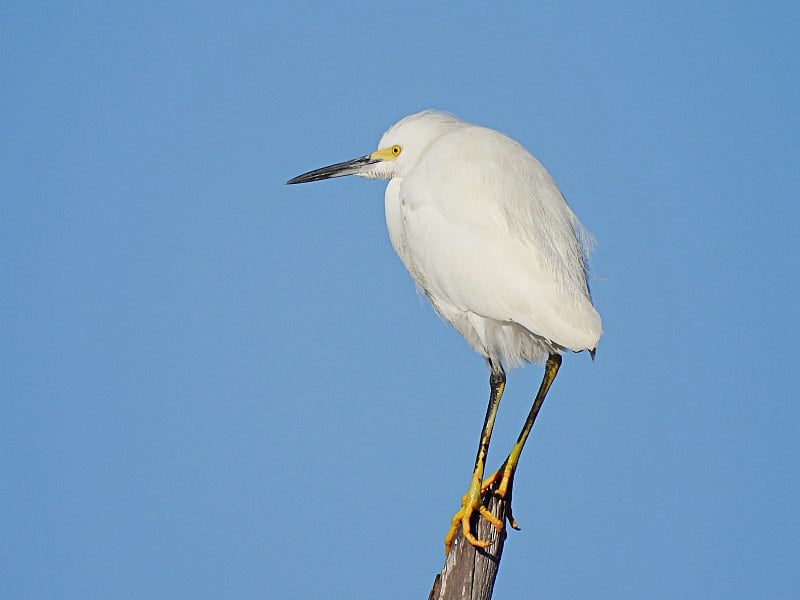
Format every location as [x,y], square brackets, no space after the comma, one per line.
[469,573]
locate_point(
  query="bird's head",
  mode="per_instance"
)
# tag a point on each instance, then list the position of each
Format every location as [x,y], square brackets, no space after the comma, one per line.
[398,152]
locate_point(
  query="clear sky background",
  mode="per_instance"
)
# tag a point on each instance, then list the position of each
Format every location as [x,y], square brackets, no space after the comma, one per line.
[218,386]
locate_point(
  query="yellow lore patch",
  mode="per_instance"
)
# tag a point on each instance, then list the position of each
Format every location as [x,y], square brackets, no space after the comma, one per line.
[387,153]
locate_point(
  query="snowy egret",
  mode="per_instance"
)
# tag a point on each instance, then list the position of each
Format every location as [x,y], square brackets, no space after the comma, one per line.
[487,236]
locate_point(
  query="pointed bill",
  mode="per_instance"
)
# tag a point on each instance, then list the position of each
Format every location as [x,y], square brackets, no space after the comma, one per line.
[349,167]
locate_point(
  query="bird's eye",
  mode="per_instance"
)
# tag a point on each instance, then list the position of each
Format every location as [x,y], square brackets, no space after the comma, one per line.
[396,150]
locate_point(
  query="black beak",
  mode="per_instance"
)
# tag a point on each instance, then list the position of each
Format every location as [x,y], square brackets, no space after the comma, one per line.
[350,167]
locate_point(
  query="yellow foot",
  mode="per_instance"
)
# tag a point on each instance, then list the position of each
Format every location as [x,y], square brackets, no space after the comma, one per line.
[502,490]
[470,503]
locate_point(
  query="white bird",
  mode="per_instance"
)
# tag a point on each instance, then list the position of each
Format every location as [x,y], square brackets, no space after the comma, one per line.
[488,237]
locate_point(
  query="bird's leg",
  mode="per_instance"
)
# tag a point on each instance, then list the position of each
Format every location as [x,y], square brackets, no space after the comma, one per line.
[505,474]
[471,501]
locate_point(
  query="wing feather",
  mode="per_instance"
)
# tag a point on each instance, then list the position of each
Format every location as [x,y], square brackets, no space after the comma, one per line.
[496,238]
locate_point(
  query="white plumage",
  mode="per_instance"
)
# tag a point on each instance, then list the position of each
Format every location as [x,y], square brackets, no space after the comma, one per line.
[487,236]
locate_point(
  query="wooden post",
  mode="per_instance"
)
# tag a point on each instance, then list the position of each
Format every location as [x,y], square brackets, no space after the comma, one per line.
[469,572]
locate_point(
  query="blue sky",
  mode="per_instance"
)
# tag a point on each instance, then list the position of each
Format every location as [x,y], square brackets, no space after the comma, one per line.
[216,385]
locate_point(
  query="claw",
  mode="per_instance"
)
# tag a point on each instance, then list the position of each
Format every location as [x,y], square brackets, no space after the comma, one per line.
[463,518]
[506,476]
[503,490]
[511,520]
[470,503]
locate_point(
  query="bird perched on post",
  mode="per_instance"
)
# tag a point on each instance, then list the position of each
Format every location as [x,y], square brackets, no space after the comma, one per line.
[488,237]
